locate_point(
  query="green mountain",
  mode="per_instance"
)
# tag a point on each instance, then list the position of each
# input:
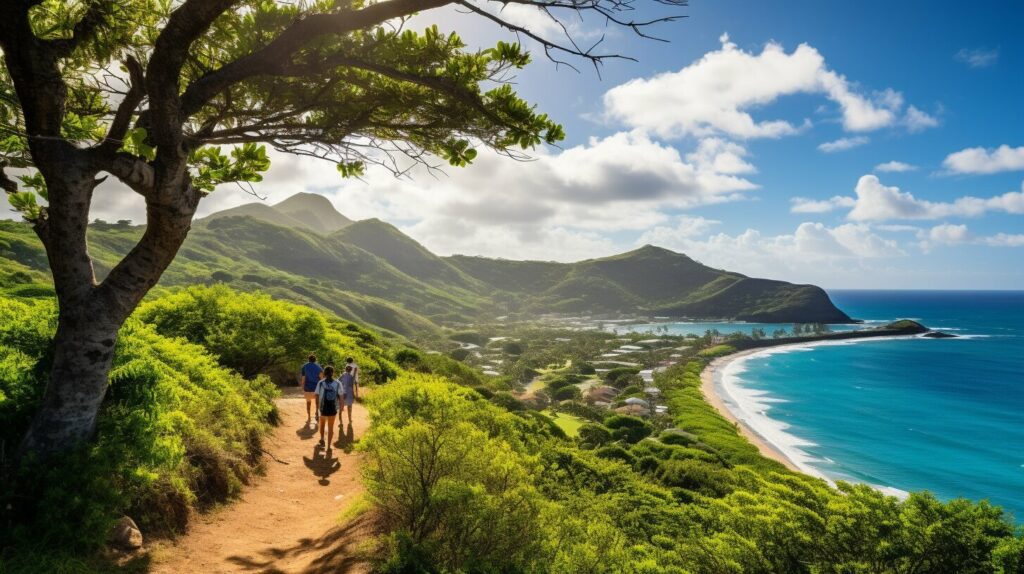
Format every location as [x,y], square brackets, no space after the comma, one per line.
[653,281]
[371,272]
[302,211]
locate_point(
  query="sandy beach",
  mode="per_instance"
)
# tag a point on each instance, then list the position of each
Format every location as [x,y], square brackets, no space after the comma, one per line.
[710,391]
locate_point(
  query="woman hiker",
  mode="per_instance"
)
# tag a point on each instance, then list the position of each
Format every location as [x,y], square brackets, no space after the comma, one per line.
[310,376]
[328,392]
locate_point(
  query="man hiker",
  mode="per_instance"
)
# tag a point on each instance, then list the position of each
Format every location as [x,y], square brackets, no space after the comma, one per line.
[310,376]
[328,392]
[349,387]
[350,362]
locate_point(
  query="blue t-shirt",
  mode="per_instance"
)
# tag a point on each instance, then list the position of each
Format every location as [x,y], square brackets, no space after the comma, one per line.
[347,382]
[312,373]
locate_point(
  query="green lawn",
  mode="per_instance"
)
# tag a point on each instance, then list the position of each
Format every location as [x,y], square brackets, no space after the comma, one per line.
[568,423]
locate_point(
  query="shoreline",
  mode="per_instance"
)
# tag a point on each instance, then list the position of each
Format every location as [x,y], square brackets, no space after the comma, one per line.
[717,395]
[709,383]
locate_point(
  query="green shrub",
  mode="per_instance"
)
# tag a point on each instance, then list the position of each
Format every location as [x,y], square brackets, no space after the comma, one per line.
[594,435]
[627,428]
[616,452]
[453,496]
[254,334]
[567,393]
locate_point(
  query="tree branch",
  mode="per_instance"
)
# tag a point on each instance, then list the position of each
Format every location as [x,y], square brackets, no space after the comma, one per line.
[126,109]
[6,183]
[185,25]
[278,52]
[130,170]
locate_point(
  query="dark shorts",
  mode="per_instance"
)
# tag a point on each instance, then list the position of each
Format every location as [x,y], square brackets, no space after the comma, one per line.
[329,410]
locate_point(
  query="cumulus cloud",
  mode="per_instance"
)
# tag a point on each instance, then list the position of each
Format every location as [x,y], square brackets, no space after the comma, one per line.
[562,205]
[843,144]
[977,57]
[978,160]
[950,234]
[808,205]
[944,234]
[686,227]
[878,202]
[812,252]
[1005,240]
[715,94]
[918,121]
[895,167]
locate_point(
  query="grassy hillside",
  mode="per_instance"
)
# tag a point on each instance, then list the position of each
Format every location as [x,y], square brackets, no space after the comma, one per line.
[387,242]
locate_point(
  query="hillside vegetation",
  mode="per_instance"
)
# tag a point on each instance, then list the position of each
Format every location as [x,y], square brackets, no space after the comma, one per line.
[462,477]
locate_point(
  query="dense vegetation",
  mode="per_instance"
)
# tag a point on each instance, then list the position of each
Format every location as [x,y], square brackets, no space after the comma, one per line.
[468,486]
[463,476]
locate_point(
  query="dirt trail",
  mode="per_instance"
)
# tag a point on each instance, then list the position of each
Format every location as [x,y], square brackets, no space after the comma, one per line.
[288,520]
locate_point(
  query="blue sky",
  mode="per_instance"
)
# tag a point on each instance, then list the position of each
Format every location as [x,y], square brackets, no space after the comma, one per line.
[858,144]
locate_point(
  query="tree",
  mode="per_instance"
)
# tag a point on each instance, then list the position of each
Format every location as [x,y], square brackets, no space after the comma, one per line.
[175,97]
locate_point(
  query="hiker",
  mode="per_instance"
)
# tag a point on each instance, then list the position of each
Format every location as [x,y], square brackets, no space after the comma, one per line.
[310,375]
[350,387]
[350,362]
[328,393]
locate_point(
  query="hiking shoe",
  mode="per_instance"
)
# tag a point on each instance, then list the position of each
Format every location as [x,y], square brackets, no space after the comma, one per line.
[321,443]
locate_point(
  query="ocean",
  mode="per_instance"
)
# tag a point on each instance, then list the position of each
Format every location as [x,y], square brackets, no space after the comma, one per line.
[944,415]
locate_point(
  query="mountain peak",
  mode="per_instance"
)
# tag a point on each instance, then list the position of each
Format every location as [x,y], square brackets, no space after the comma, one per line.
[303,210]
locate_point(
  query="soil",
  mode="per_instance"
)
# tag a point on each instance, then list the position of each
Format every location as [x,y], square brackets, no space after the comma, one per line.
[290,520]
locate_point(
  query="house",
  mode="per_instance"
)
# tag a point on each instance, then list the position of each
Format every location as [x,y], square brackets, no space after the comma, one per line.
[603,393]
[634,410]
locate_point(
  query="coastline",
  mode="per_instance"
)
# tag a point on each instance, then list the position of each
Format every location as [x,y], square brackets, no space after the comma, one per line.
[709,388]
[752,422]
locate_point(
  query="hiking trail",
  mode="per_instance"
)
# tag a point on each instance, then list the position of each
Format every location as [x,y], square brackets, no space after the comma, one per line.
[288,520]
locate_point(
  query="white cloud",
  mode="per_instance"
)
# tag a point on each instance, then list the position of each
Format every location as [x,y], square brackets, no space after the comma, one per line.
[895,167]
[878,202]
[978,160]
[1005,240]
[843,144]
[561,205]
[945,234]
[720,156]
[949,234]
[687,227]
[807,205]
[812,252]
[977,57]
[918,121]
[714,95]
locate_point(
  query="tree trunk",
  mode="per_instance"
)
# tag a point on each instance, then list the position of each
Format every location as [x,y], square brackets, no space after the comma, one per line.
[83,352]
[91,315]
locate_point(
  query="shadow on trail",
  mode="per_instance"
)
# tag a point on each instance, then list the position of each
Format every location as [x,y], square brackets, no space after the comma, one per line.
[335,551]
[323,464]
[346,440]
[306,431]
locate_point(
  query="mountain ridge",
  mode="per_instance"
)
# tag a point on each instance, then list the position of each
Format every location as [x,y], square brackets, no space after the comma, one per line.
[372,272]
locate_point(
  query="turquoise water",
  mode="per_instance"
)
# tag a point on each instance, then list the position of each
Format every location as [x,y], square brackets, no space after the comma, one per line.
[907,414]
